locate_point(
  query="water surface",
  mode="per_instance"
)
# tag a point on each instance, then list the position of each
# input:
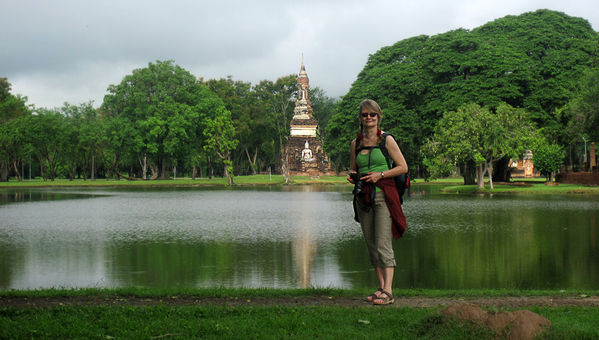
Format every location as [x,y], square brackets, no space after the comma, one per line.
[289,237]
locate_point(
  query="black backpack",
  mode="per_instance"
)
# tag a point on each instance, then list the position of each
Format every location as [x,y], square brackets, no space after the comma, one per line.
[402,182]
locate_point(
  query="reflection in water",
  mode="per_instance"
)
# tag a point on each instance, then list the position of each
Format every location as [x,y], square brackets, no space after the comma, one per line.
[304,245]
[290,237]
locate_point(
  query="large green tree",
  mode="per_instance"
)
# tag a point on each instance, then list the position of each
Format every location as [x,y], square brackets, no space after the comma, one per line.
[531,61]
[220,138]
[254,128]
[49,134]
[476,134]
[278,98]
[162,109]
[14,147]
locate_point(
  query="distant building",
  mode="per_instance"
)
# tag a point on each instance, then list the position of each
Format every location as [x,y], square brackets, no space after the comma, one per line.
[304,148]
[523,168]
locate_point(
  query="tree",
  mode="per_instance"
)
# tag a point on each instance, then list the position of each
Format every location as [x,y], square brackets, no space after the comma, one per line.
[86,130]
[278,98]
[48,129]
[249,117]
[584,108]
[548,158]
[220,138]
[13,145]
[323,108]
[474,133]
[163,108]
[531,61]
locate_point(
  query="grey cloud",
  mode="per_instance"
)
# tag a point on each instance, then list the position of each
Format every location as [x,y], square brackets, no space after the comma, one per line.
[71,50]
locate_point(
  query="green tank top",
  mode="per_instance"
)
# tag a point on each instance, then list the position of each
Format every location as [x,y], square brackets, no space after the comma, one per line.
[374,161]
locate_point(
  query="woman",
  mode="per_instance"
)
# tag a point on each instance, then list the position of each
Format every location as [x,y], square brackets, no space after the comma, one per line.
[377,206]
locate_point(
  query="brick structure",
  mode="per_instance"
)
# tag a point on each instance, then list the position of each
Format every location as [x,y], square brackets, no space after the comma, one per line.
[523,167]
[585,178]
[304,149]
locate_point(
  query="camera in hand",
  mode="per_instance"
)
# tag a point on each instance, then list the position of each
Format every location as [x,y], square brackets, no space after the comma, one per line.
[358,183]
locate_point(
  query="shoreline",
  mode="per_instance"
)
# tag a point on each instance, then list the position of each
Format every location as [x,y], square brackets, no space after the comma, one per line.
[449,185]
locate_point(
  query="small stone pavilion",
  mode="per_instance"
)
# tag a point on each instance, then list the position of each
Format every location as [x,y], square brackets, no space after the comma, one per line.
[304,147]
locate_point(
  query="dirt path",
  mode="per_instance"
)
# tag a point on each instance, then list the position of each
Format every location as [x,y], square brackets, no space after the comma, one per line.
[508,302]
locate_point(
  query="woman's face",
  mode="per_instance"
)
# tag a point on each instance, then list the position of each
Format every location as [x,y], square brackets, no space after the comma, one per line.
[369,117]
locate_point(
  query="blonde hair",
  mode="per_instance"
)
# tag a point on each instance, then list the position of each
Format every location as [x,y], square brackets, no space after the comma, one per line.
[372,106]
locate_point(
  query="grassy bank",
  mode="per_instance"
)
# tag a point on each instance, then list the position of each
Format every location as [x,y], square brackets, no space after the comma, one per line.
[450,185]
[272,292]
[266,322]
[522,188]
[184,182]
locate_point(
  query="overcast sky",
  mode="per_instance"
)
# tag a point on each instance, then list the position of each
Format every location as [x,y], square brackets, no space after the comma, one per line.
[71,50]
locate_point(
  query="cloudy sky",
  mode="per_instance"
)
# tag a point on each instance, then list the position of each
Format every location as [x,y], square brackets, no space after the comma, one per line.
[71,50]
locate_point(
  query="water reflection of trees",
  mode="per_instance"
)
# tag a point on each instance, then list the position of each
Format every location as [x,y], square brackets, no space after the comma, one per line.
[526,248]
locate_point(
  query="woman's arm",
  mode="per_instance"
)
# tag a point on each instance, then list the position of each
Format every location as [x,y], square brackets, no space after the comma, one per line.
[401,167]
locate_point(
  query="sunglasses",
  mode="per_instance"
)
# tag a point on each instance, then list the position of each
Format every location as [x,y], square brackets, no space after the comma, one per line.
[371,114]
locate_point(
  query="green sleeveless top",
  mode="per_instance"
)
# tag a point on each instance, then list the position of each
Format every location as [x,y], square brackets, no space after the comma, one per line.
[374,161]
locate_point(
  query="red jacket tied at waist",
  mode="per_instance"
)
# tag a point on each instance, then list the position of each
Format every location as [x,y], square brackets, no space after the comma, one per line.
[387,185]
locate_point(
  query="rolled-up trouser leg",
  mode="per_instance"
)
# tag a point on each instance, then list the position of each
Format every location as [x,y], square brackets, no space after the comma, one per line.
[376,227]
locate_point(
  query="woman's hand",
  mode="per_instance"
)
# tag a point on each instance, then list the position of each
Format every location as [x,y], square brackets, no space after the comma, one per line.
[349,179]
[372,177]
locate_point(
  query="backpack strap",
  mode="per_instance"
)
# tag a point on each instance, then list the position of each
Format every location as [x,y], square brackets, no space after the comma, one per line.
[358,141]
[383,147]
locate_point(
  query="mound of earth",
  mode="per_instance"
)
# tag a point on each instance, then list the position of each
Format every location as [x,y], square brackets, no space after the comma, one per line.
[517,325]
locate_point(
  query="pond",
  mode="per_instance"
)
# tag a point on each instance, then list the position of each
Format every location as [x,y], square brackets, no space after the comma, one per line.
[290,237]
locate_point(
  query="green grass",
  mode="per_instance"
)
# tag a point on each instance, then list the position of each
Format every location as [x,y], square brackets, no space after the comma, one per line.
[452,185]
[528,187]
[268,322]
[215,181]
[273,292]
[211,322]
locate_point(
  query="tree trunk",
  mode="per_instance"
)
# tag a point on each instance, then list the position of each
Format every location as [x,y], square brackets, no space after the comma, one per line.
[285,168]
[193,172]
[480,176]
[115,163]
[16,166]
[93,176]
[144,167]
[3,172]
[489,166]
[228,175]
[42,169]
[163,174]
[252,161]
[153,171]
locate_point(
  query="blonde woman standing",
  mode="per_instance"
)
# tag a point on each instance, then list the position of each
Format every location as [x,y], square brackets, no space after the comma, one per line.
[376,200]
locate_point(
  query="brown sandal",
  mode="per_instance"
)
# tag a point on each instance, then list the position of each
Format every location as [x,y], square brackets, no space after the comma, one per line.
[373,296]
[387,299]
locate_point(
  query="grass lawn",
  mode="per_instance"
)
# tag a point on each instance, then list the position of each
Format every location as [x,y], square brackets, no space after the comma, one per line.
[453,185]
[215,181]
[275,321]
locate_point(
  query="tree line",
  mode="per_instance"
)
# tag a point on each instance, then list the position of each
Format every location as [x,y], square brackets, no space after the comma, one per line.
[159,122]
[465,100]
